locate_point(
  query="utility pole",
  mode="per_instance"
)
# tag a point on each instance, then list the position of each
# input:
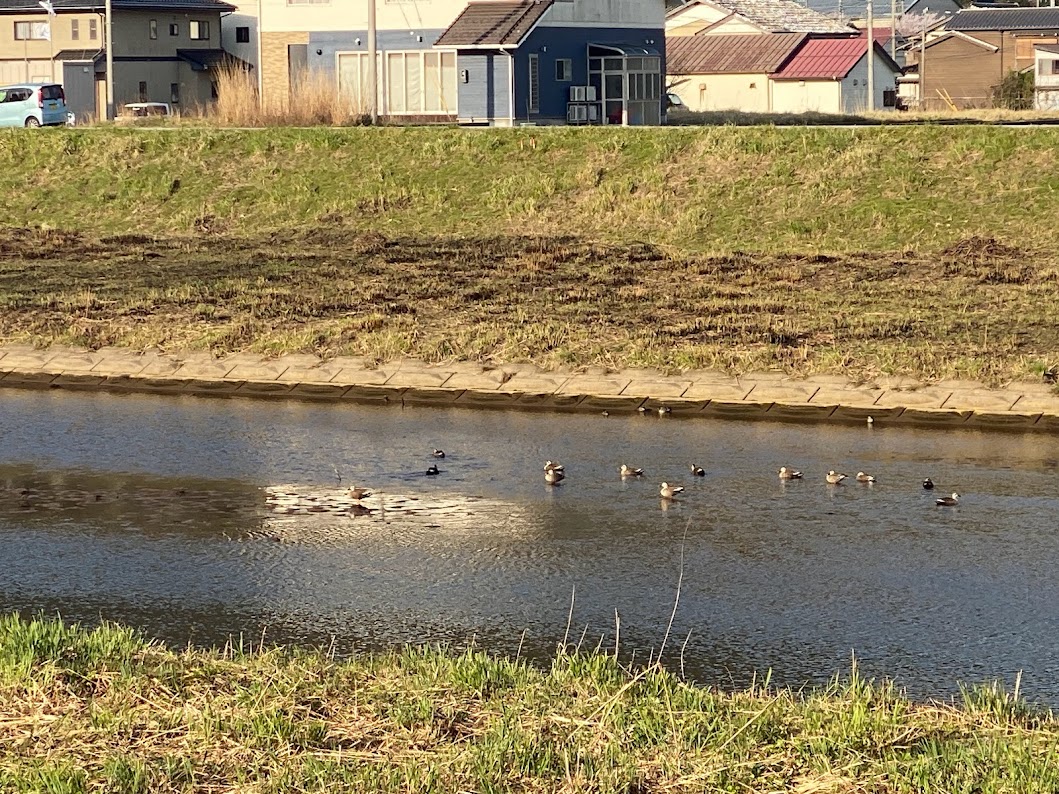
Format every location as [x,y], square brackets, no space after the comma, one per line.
[871,56]
[108,42]
[923,70]
[893,29]
[373,67]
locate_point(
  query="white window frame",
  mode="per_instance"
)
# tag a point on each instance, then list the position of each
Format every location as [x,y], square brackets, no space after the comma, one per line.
[196,28]
[533,100]
[35,31]
[568,70]
[449,92]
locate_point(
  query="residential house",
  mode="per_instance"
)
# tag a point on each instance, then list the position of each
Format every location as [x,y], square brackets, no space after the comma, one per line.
[830,75]
[494,62]
[729,17]
[1046,77]
[712,73]
[164,50]
[240,35]
[977,48]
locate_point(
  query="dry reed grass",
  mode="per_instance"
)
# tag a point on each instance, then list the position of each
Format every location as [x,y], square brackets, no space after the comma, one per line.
[315,101]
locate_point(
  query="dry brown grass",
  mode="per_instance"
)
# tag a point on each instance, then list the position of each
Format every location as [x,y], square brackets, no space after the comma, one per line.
[976,310]
[316,101]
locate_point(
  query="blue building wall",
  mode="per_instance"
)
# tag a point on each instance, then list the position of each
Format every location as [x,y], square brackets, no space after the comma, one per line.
[551,44]
[487,93]
[324,46]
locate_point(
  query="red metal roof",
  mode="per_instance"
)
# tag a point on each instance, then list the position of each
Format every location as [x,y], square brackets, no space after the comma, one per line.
[825,59]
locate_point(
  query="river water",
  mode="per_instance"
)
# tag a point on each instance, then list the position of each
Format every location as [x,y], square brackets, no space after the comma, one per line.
[152,511]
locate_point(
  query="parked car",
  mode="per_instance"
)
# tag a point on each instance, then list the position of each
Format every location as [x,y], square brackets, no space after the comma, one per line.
[144,110]
[32,105]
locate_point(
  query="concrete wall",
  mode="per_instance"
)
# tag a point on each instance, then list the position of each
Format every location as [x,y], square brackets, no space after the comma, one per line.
[749,93]
[803,96]
[343,15]
[132,33]
[275,77]
[613,13]
[243,51]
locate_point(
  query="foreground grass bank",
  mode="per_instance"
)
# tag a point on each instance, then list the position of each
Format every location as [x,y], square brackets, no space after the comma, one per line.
[103,710]
[915,251]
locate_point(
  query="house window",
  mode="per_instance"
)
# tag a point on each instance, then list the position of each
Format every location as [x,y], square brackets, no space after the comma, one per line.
[1055,67]
[242,35]
[143,90]
[411,82]
[564,70]
[31,31]
[93,29]
[534,84]
[152,28]
[198,30]
[75,30]
[174,29]
[174,93]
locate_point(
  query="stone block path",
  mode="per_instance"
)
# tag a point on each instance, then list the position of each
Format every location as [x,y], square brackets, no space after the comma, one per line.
[709,394]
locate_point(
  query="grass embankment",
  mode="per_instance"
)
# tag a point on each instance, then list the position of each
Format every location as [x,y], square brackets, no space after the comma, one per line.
[922,251]
[103,710]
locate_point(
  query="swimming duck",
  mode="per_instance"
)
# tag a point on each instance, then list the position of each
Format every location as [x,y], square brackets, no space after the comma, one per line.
[669,491]
[642,409]
[439,453]
[358,493]
[433,470]
[833,478]
[928,484]
[550,466]
[870,421]
[862,477]
[948,501]
[789,474]
[627,472]
[554,476]
[698,471]
[664,409]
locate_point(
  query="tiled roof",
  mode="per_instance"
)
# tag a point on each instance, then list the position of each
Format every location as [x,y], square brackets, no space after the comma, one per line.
[23,6]
[750,53]
[971,19]
[828,59]
[782,16]
[492,23]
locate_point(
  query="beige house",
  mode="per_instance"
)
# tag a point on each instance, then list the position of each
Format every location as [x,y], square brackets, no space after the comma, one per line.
[164,50]
[711,73]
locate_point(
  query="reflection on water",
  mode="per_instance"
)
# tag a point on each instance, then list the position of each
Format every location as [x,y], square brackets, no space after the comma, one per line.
[157,512]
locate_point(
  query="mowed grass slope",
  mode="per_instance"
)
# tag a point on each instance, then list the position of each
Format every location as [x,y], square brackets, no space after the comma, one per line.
[718,189]
[103,710]
[916,251]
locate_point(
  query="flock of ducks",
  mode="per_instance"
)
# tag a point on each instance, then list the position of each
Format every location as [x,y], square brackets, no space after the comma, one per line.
[555,473]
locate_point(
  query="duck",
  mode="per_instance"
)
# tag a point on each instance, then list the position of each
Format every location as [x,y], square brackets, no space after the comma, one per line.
[357,494]
[438,453]
[627,472]
[698,471]
[870,421]
[432,471]
[669,491]
[550,466]
[554,476]
[642,409]
[948,501]
[862,477]
[834,478]
[928,484]
[664,409]
[789,474]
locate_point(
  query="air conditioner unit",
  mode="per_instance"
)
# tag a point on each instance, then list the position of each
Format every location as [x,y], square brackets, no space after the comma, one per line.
[577,93]
[577,114]
[593,112]
[590,93]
